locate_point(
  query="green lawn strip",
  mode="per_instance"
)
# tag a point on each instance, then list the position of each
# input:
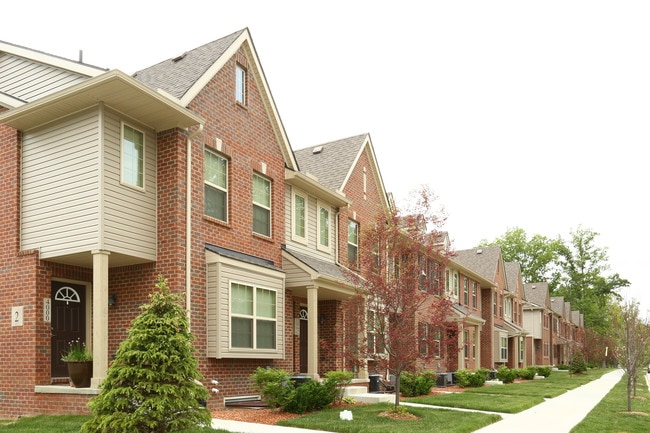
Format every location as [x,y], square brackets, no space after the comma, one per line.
[512,397]
[611,416]
[63,424]
[484,401]
[366,419]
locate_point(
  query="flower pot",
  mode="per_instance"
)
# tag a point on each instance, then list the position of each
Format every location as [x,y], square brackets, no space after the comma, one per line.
[80,373]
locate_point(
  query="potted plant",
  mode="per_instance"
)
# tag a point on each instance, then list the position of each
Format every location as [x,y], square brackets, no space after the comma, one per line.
[79,360]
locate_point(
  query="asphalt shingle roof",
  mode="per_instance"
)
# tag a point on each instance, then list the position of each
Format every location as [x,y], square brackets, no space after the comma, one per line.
[536,293]
[483,261]
[177,75]
[334,161]
[513,271]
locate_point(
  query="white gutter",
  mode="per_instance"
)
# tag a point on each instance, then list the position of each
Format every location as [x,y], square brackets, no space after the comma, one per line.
[188,224]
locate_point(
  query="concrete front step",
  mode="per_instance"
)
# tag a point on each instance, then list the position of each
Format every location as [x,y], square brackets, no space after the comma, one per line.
[374,398]
[351,391]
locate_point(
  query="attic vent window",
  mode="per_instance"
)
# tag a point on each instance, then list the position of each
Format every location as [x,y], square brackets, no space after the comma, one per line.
[178,58]
[317,150]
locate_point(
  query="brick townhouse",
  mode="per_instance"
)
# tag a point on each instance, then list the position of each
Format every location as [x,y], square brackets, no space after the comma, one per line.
[110,180]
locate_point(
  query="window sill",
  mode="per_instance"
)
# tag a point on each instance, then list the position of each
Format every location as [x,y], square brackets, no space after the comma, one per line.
[217,221]
[64,389]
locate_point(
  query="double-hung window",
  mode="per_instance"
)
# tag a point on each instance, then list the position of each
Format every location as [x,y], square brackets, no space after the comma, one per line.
[261,205]
[375,336]
[504,348]
[323,228]
[353,242]
[240,84]
[299,232]
[474,294]
[132,154]
[466,344]
[216,186]
[252,317]
[465,291]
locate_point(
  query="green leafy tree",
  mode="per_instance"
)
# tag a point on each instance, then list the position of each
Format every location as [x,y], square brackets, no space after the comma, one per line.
[152,385]
[584,284]
[537,255]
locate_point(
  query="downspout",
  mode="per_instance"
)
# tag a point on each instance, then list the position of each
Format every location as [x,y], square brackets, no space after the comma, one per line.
[188,224]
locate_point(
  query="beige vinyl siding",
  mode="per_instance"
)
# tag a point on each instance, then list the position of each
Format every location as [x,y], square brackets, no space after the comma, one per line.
[60,186]
[296,277]
[221,271]
[312,227]
[28,80]
[129,225]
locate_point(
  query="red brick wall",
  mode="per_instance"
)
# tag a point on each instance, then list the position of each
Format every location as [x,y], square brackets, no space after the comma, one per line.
[249,142]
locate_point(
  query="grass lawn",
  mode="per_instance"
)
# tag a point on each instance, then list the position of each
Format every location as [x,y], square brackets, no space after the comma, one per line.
[513,397]
[63,424]
[366,420]
[611,416]
[483,401]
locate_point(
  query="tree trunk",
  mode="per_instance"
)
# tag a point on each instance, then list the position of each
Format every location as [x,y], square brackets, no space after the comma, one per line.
[397,383]
[629,393]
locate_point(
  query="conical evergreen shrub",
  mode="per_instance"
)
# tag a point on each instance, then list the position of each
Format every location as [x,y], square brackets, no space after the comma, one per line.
[152,385]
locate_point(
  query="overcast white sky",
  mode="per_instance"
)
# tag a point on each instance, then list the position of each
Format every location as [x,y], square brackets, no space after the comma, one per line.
[516,113]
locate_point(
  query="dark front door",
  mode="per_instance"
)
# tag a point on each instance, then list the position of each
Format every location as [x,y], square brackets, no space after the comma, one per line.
[303,339]
[68,321]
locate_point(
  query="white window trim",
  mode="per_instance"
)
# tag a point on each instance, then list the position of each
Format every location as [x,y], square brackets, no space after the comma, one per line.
[144,157]
[217,186]
[240,99]
[319,246]
[295,236]
[278,323]
[356,258]
[270,208]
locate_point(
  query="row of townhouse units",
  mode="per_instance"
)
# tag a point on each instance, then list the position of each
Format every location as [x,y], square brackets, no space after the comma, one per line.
[184,169]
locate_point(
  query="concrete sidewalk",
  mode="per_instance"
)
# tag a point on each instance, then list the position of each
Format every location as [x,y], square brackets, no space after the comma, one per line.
[557,415]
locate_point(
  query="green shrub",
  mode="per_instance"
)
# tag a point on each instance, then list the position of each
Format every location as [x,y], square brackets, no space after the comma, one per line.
[342,379]
[274,385]
[544,370]
[413,384]
[563,367]
[311,395]
[467,378]
[527,373]
[485,372]
[153,383]
[506,375]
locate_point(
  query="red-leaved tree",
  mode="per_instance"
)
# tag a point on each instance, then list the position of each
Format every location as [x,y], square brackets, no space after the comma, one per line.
[401,317]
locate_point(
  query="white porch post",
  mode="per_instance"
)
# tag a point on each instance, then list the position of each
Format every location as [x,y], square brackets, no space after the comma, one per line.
[100,316]
[460,341]
[477,342]
[312,332]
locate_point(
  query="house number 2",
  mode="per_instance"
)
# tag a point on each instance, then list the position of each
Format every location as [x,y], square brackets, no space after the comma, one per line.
[16,316]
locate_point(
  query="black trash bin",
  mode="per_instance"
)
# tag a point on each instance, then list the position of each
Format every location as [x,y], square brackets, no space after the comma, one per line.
[374,382]
[299,379]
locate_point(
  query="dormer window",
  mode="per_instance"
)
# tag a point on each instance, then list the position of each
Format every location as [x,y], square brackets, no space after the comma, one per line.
[240,84]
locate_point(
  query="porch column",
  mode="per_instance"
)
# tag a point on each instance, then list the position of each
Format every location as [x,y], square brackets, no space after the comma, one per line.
[312,332]
[100,316]
[477,342]
[460,342]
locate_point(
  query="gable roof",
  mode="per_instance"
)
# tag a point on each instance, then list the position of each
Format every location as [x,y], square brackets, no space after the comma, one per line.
[557,305]
[484,261]
[513,275]
[28,74]
[184,76]
[332,163]
[537,293]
